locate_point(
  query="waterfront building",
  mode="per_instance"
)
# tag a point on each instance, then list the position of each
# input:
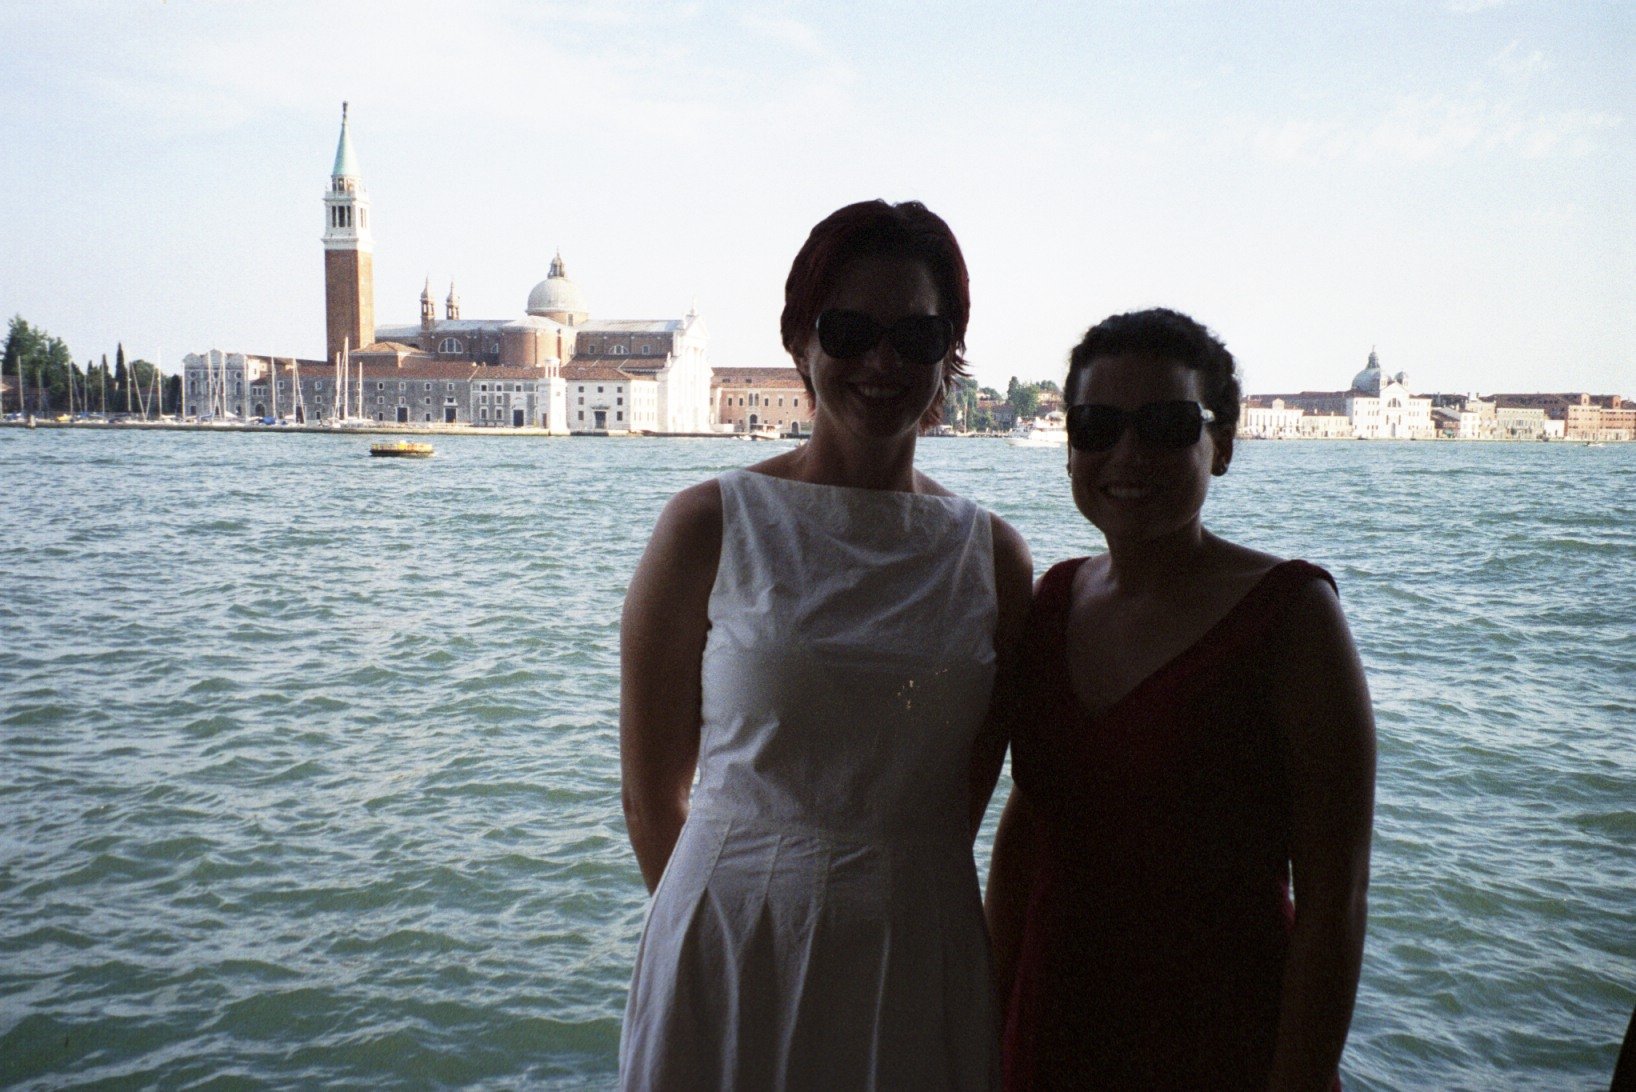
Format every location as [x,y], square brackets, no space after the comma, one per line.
[1274,421]
[746,399]
[669,353]
[504,372]
[1381,407]
[1001,412]
[603,398]
[1584,416]
[1377,406]
[1325,426]
[1519,422]
[218,385]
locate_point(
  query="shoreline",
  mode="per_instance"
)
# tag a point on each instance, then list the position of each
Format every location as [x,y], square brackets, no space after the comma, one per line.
[394,429]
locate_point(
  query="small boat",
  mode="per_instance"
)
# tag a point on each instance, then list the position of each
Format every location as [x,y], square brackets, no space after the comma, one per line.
[401,449]
[1048,431]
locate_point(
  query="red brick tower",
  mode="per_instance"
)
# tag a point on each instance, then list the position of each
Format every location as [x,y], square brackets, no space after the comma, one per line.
[349,262]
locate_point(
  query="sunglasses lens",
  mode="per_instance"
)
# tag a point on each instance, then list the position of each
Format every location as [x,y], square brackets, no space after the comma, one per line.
[921,339]
[847,334]
[917,339]
[1094,427]
[1170,424]
[1159,424]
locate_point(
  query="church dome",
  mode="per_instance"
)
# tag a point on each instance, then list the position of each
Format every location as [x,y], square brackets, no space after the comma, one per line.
[1368,380]
[557,297]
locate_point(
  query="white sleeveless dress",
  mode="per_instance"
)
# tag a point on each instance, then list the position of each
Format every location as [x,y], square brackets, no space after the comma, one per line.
[819,924]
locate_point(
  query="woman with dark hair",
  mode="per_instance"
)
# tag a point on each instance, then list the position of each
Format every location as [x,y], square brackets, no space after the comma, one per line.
[816,638]
[1198,728]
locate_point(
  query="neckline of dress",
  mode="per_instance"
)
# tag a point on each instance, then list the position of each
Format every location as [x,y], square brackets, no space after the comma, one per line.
[858,490]
[1169,667]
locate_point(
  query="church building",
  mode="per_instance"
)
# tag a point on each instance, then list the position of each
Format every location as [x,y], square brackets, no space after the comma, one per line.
[537,369]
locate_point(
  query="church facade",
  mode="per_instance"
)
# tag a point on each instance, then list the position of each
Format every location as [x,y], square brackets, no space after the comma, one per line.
[508,372]
[1377,406]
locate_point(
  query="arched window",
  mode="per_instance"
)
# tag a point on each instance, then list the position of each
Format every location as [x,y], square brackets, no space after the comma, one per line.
[450,345]
[617,350]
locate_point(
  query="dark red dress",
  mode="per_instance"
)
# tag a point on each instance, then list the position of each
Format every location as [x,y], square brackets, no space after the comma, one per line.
[1158,924]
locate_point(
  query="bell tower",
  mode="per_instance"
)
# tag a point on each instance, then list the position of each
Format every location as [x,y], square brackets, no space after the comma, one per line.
[349,253]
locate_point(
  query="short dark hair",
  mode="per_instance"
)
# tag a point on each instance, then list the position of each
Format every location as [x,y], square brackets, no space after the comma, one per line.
[876,229]
[1167,335]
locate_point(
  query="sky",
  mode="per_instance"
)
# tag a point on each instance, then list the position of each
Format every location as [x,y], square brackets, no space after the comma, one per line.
[1449,182]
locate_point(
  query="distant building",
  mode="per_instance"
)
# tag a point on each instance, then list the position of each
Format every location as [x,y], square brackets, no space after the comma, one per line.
[1519,423]
[602,398]
[999,411]
[1377,406]
[1274,421]
[746,399]
[1380,406]
[506,372]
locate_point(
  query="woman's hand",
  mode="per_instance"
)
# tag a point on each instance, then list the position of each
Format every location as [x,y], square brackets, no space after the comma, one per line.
[1324,714]
[661,649]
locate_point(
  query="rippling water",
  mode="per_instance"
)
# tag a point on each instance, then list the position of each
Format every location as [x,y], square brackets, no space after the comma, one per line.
[308,767]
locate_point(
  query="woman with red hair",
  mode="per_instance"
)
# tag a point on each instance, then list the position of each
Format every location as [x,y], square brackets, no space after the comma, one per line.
[814,639]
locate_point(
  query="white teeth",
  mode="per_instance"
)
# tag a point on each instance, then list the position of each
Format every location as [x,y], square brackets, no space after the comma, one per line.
[877,392]
[1126,492]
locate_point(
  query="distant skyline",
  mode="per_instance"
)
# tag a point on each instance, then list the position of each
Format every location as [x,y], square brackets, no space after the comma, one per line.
[1452,183]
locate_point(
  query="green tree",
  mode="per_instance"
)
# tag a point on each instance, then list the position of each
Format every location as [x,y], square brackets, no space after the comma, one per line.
[40,363]
[122,379]
[1024,398]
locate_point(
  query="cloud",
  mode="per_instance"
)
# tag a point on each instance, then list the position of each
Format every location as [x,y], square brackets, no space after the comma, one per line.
[1511,61]
[785,31]
[1426,128]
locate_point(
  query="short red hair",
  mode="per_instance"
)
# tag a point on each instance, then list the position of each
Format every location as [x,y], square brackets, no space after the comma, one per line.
[876,229]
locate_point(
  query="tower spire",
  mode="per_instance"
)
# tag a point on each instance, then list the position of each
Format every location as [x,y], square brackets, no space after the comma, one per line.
[346,160]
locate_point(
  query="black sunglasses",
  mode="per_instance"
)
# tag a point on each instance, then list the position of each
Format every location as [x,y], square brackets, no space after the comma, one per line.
[918,339]
[1177,424]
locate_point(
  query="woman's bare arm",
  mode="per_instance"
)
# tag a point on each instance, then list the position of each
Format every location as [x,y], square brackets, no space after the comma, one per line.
[1322,702]
[661,648]
[1013,590]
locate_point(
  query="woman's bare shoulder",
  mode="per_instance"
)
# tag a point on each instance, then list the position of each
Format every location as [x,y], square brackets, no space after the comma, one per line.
[689,528]
[1243,562]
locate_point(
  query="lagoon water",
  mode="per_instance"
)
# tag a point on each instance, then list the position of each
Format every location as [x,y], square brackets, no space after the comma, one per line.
[308,765]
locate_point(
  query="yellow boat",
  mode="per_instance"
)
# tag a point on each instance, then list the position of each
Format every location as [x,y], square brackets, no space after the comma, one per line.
[401,449]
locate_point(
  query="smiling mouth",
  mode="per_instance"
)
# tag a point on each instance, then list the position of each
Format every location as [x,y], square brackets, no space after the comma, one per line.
[877,393]
[1121,492]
